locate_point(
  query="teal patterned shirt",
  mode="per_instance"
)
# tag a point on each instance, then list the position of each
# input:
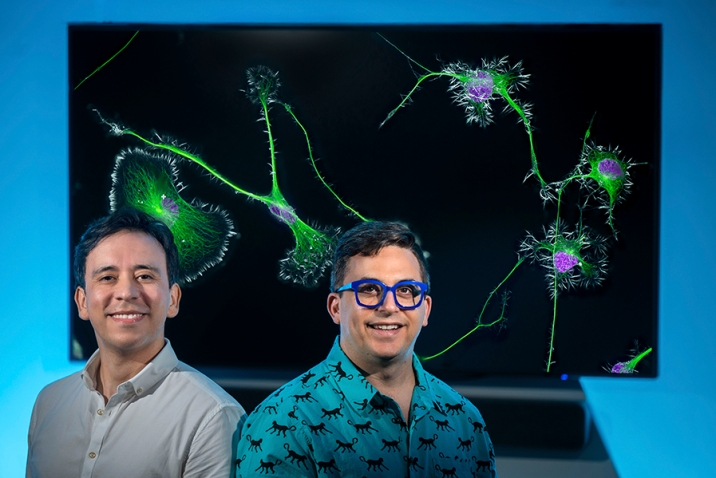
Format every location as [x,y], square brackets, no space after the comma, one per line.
[332,422]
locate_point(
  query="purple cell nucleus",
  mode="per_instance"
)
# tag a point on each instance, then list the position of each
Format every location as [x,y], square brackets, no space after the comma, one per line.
[284,215]
[564,261]
[479,88]
[171,211]
[170,206]
[621,367]
[611,169]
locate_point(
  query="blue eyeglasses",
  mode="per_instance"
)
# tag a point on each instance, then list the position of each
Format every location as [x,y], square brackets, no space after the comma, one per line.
[371,293]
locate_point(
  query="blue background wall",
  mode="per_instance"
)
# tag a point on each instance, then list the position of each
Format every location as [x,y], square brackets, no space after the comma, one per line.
[656,428]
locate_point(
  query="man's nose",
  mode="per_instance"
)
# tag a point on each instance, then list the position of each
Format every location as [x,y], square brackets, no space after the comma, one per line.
[126,289]
[389,303]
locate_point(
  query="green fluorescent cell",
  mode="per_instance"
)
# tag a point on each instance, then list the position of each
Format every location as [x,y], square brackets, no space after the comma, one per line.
[475,89]
[146,180]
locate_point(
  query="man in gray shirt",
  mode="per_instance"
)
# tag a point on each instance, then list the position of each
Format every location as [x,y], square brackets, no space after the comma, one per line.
[135,409]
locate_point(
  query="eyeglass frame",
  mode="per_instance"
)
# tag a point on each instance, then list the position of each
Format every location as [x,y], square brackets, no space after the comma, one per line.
[353,285]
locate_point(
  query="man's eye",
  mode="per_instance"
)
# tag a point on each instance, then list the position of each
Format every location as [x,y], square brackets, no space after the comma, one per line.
[145,276]
[105,278]
[406,290]
[369,289]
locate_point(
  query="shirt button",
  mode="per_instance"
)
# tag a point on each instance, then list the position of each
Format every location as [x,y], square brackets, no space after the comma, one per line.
[92,454]
[99,412]
[139,390]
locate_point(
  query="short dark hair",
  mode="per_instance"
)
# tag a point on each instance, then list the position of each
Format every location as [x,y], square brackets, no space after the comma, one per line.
[367,239]
[126,219]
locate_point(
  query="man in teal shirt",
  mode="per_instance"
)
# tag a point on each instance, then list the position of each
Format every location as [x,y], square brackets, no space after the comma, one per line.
[370,409]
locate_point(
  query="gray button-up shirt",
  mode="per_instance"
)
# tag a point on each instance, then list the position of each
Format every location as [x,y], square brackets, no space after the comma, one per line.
[169,420]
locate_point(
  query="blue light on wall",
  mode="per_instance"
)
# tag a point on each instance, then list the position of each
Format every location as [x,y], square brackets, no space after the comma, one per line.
[657,428]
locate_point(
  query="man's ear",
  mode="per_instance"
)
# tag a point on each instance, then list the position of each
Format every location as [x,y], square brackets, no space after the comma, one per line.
[334,307]
[81,301]
[428,305]
[174,298]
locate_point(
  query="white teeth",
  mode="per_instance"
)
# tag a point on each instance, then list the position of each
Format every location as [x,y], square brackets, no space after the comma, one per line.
[385,327]
[127,316]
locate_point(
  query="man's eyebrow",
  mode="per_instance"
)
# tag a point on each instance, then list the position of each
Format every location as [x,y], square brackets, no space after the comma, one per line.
[396,282]
[147,267]
[369,278]
[102,270]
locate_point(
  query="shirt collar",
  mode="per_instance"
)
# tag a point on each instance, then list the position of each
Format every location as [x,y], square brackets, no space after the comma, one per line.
[357,390]
[90,371]
[424,395]
[165,361]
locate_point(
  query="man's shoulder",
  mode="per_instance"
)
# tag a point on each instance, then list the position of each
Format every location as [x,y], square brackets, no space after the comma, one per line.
[448,394]
[69,384]
[300,389]
[55,398]
[438,385]
[198,384]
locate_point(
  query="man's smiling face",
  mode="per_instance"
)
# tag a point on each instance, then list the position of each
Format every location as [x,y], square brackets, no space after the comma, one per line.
[127,296]
[387,333]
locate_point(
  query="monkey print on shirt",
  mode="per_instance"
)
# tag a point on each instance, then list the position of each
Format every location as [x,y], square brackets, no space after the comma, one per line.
[330,422]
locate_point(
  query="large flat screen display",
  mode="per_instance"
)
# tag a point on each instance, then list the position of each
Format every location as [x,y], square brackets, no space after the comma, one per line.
[525,158]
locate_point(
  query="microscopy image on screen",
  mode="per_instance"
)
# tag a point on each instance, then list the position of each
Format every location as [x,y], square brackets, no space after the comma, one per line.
[525,158]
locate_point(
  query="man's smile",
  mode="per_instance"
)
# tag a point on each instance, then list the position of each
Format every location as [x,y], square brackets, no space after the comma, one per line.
[385,326]
[127,317]
[384,330]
